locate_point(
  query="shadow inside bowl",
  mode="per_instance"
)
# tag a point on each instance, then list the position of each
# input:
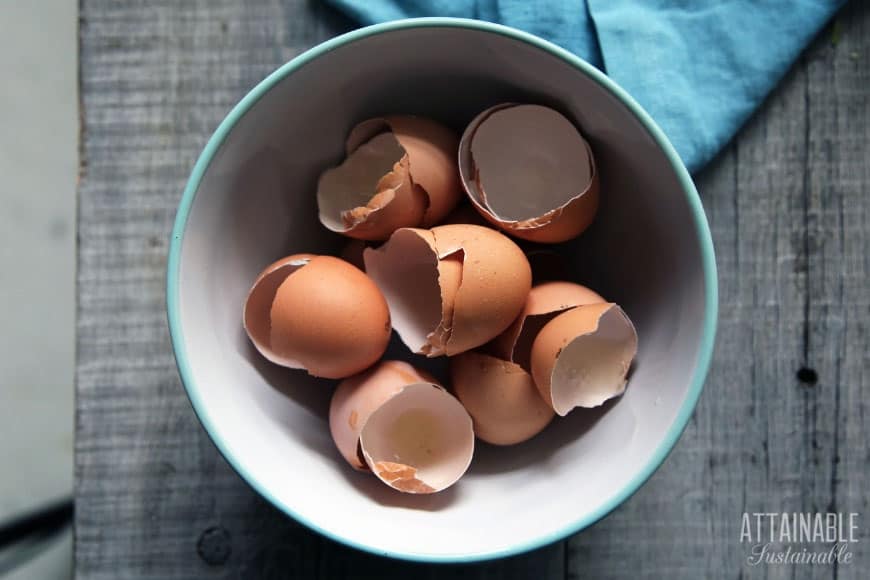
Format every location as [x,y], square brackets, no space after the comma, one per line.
[305,391]
[562,431]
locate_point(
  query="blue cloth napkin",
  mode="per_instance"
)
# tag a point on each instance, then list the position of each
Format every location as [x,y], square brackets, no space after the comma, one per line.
[700,68]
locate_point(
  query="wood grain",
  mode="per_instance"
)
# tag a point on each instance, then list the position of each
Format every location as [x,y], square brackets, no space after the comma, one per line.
[789,207]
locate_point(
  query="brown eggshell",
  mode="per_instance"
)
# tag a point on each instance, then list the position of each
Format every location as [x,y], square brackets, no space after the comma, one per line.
[258,305]
[545,301]
[420,440]
[357,397]
[431,149]
[451,288]
[330,317]
[370,194]
[528,171]
[500,397]
[581,358]
[496,279]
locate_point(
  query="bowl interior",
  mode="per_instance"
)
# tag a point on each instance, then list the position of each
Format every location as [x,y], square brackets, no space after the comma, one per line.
[255,202]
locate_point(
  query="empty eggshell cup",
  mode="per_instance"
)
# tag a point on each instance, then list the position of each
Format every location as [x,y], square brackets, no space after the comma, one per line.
[556,177]
[400,423]
[252,198]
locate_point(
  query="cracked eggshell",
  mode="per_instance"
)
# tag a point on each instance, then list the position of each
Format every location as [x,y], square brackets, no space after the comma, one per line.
[581,358]
[318,313]
[529,171]
[420,440]
[407,270]
[370,194]
[399,171]
[357,397]
[258,305]
[496,279]
[544,302]
[451,288]
[501,398]
[430,150]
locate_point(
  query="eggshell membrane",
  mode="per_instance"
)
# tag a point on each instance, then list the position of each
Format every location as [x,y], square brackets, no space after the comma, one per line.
[406,268]
[370,194]
[550,194]
[581,358]
[496,279]
[420,440]
[256,315]
[501,398]
[331,318]
[357,397]
[544,302]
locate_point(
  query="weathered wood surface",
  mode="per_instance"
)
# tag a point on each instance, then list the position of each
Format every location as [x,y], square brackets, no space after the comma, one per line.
[789,206]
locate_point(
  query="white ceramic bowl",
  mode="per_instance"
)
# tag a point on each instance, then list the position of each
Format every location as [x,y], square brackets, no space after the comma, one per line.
[250,200]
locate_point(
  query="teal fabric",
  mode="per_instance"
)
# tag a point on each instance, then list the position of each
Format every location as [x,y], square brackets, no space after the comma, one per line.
[700,68]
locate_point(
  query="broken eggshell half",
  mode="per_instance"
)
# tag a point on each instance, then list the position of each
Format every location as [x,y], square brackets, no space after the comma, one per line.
[501,398]
[399,423]
[452,288]
[529,171]
[582,356]
[399,171]
[300,314]
[545,302]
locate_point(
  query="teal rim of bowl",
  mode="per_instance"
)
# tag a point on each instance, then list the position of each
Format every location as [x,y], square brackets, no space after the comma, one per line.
[705,241]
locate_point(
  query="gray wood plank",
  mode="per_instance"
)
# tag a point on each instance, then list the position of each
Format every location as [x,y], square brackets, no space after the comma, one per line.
[788,205]
[789,210]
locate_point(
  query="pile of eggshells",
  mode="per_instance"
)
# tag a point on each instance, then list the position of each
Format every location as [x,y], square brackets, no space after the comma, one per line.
[449,285]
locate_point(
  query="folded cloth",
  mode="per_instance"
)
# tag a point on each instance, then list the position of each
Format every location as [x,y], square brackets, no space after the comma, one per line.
[700,68]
